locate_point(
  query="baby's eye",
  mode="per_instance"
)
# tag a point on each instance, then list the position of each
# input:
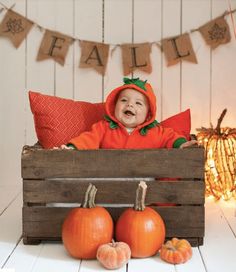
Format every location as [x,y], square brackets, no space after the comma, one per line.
[139,103]
[123,100]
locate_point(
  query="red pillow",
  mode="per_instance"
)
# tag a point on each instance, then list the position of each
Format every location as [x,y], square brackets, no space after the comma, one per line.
[180,122]
[57,120]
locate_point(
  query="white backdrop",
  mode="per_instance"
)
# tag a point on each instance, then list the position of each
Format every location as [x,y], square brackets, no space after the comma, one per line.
[206,88]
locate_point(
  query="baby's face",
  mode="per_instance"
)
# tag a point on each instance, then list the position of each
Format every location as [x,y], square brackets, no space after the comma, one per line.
[131,108]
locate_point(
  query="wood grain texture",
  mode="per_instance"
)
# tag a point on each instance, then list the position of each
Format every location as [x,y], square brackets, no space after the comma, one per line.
[171,163]
[46,222]
[113,191]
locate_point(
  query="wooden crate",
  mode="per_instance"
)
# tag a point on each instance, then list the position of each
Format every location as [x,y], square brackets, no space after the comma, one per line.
[56,180]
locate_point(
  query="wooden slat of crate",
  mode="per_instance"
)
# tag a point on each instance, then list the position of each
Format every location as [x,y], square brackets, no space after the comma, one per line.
[115,191]
[46,222]
[41,163]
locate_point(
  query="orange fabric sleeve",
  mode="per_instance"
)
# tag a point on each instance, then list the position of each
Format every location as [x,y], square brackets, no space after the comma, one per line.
[170,136]
[90,139]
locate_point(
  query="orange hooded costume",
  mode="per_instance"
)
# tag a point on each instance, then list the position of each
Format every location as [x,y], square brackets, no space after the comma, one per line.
[111,134]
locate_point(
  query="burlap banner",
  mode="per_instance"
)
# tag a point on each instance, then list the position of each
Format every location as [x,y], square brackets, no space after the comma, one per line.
[94,55]
[216,32]
[136,56]
[54,45]
[15,27]
[177,49]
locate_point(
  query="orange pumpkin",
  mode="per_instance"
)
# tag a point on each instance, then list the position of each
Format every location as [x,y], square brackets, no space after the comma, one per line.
[114,255]
[142,228]
[176,251]
[86,228]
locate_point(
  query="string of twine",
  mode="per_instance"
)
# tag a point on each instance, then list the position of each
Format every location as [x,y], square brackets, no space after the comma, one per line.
[158,43]
[232,18]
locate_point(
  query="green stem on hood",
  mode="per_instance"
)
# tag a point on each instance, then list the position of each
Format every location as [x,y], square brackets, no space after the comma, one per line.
[135,81]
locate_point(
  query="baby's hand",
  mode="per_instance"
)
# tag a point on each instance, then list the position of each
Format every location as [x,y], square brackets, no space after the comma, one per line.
[189,143]
[64,147]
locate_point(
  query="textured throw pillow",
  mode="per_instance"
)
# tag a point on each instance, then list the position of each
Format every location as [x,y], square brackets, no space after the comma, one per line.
[180,122]
[57,120]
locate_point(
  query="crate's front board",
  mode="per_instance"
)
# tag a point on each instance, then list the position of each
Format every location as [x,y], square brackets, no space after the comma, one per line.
[54,181]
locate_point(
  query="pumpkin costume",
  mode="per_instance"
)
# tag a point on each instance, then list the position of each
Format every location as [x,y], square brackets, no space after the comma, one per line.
[111,134]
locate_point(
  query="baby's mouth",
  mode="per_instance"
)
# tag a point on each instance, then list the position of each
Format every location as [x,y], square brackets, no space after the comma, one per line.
[129,113]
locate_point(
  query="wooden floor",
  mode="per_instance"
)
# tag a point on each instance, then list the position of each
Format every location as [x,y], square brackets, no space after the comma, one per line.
[217,254]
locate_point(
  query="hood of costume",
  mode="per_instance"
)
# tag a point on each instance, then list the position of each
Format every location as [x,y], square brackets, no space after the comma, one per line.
[111,134]
[140,86]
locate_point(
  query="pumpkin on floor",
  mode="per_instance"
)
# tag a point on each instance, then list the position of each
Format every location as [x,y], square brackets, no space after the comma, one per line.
[142,228]
[114,255]
[86,228]
[220,164]
[176,251]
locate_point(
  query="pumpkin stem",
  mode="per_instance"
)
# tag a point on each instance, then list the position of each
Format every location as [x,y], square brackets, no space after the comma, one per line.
[113,243]
[169,246]
[220,121]
[140,196]
[89,198]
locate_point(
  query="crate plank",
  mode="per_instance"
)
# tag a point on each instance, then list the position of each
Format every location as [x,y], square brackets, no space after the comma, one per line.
[41,163]
[113,191]
[45,222]
[180,221]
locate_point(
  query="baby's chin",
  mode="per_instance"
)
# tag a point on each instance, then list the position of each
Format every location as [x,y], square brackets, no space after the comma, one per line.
[129,123]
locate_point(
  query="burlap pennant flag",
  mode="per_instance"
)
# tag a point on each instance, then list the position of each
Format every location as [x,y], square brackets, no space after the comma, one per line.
[55,46]
[177,49]
[216,32]
[15,27]
[94,55]
[136,56]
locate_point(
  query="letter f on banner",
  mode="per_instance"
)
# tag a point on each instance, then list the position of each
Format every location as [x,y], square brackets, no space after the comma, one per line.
[54,45]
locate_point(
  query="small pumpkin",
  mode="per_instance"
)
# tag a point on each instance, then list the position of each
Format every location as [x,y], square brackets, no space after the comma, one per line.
[114,255]
[86,228]
[176,251]
[142,228]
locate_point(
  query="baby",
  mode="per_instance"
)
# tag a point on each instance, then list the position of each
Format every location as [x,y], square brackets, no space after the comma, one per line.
[130,122]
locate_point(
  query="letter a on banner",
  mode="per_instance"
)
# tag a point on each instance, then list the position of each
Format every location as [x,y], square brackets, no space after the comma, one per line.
[136,56]
[178,48]
[54,45]
[15,27]
[94,55]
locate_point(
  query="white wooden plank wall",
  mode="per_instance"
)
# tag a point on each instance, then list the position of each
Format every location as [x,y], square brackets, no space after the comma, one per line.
[206,87]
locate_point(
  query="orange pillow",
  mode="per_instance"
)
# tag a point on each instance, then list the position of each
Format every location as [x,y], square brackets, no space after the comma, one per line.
[180,122]
[57,120]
